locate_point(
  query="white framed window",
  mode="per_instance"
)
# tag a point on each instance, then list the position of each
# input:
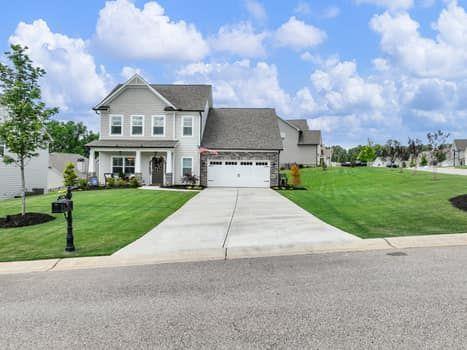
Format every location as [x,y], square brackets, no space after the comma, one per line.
[158,125]
[187,126]
[187,166]
[123,165]
[2,149]
[116,125]
[137,125]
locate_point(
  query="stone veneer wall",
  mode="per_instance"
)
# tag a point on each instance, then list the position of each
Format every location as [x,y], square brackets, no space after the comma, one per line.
[272,156]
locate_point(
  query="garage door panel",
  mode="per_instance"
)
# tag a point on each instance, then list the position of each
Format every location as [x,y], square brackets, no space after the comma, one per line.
[238,173]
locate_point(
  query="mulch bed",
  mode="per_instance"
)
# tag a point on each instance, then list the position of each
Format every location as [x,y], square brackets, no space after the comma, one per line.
[459,202]
[29,219]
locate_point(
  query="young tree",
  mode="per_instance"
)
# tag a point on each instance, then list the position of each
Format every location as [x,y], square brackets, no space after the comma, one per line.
[23,131]
[423,160]
[295,173]
[437,142]
[392,150]
[414,147]
[367,153]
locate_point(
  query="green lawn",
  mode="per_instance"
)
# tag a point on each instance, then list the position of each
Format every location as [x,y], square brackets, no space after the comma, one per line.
[104,221]
[371,202]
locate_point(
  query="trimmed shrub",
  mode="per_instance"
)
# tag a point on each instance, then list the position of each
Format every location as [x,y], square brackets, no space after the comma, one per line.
[69,175]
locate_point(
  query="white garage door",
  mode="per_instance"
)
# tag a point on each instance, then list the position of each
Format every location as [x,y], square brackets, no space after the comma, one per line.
[238,173]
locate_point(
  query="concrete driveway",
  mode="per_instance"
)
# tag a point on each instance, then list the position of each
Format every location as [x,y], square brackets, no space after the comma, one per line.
[220,218]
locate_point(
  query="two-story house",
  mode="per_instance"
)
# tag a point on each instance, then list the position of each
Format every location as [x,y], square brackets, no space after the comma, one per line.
[160,133]
[459,150]
[300,144]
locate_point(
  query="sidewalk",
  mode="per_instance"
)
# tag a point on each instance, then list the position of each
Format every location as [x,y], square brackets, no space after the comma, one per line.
[235,253]
[448,171]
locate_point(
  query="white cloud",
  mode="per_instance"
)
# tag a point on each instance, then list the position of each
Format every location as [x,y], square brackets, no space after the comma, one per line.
[256,9]
[389,4]
[127,72]
[343,89]
[72,77]
[239,39]
[307,56]
[331,12]
[444,57]
[381,64]
[297,34]
[147,33]
[240,84]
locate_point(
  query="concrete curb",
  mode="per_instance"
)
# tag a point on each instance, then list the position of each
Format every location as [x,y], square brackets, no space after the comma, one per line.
[233,253]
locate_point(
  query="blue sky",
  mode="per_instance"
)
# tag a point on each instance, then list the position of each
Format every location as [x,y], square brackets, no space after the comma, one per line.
[356,69]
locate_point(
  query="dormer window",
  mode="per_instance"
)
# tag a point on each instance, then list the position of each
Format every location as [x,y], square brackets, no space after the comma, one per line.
[137,125]
[158,125]
[116,123]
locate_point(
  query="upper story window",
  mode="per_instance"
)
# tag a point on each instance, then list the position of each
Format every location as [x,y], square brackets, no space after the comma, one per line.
[158,125]
[137,125]
[187,126]
[116,125]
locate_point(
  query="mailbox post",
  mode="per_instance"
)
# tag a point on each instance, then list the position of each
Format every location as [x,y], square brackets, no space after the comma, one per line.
[64,205]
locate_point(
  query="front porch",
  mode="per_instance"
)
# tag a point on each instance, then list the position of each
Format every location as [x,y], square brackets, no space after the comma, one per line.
[150,166]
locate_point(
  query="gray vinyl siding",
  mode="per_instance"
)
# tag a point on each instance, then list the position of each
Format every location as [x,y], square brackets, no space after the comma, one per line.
[36,172]
[136,100]
[293,152]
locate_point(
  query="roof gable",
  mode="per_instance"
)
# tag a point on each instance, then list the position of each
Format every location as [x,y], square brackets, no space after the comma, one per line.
[135,80]
[460,144]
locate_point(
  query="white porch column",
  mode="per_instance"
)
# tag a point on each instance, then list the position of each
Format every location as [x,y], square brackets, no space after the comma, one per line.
[168,169]
[168,162]
[91,162]
[138,172]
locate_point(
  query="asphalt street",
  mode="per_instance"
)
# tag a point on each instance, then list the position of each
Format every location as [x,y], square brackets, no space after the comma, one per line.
[413,299]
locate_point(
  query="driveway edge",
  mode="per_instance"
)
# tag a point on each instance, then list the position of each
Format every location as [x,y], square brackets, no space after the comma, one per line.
[390,243]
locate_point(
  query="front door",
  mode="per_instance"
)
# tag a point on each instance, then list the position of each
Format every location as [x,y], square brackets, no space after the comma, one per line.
[157,171]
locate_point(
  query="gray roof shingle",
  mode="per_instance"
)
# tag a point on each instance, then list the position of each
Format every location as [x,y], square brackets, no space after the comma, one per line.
[460,144]
[186,97]
[183,97]
[133,143]
[310,137]
[299,123]
[242,128]
[59,161]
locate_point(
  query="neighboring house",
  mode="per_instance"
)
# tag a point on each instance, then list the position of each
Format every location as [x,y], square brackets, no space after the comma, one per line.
[57,165]
[326,155]
[446,163]
[459,148]
[161,133]
[10,175]
[301,145]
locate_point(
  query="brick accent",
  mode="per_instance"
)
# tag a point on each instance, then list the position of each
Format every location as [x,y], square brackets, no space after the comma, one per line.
[272,156]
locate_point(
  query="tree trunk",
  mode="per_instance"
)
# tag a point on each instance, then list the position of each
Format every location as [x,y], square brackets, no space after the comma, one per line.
[23,188]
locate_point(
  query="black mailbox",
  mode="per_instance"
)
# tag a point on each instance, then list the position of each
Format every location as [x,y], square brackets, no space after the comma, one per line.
[62,206]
